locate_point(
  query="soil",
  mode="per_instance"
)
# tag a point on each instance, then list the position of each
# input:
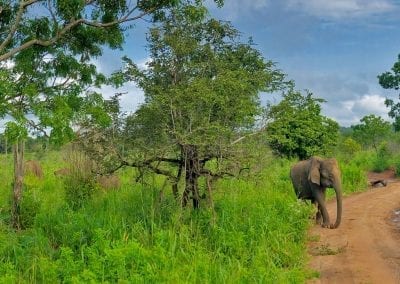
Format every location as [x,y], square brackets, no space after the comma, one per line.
[366,246]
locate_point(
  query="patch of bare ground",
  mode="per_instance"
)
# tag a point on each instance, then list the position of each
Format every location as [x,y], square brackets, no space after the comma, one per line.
[366,246]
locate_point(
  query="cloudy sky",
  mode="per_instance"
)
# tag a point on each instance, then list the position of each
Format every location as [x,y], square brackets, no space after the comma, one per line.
[333,48]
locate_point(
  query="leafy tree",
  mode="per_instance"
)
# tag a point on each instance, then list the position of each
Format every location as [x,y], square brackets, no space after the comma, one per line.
[350,146]
[391,80]
[201,90]
[28,23]
[45,69]
[297,128]
[371,131]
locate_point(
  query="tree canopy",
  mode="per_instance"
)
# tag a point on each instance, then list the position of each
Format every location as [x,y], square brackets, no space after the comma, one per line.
[46,72]
[201,89]
[371,131]
[296,127]
[391,80]
[77,25]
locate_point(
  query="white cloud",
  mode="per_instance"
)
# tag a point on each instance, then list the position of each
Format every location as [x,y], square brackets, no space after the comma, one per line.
[371,104]
[143,64]
[132,97]
[342,8]
[351,111]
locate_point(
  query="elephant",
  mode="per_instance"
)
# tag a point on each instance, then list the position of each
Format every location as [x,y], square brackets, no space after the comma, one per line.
[310,179]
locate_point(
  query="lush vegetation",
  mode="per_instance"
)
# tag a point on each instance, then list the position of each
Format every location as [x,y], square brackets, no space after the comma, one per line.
[298,129]
[201,132]
[391,80]
[255,232]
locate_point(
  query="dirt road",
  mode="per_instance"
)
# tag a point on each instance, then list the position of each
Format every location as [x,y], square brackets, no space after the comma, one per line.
[366,247]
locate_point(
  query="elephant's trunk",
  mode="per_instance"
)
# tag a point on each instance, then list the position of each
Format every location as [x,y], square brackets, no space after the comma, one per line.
[338,189]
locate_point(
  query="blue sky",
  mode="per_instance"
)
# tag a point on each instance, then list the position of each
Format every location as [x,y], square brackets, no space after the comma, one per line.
[333,48]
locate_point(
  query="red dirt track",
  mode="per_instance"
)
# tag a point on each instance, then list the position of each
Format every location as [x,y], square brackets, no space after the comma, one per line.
[366,246]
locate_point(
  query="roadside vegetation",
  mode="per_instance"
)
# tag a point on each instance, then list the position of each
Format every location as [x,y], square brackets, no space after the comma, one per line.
[255,230]
[192,186]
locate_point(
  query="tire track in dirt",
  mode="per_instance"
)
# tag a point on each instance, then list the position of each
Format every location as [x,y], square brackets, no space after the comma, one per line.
[366,246]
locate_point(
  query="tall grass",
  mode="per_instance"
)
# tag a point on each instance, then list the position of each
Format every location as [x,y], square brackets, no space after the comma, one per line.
[354,176]
[256,233]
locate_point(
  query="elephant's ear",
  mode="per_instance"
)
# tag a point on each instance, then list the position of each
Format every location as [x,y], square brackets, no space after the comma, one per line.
[314,175]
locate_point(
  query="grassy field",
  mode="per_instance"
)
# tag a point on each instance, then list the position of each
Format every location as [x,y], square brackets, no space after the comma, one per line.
[257,232]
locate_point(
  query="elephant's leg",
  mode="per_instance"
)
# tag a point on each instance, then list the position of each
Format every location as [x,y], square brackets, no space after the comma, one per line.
[319,196]
[318,217]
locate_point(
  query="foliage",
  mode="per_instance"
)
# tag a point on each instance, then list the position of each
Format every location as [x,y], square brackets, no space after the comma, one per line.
[201,91]
[45,52]
[391,80]
[46,72]
[371,131]
[354,178]
[79,24]
[397,166]
[297,128]
[256,234]
[382,161]
[79,184]
[349,147]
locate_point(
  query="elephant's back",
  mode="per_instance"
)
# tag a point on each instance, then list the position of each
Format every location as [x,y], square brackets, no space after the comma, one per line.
[299,169]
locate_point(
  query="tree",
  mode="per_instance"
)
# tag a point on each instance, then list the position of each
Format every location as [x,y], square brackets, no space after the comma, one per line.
[297,128]
[391,80]
[371,131]
[201,90]
[66,21]
[45,69]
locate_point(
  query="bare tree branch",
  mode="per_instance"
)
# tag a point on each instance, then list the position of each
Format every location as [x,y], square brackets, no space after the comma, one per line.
[38,128]
[248,135]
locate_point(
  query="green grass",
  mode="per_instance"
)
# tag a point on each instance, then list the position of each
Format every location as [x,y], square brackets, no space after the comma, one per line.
[256,233]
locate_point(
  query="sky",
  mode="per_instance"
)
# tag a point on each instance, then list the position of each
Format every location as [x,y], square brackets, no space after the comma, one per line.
[334,49]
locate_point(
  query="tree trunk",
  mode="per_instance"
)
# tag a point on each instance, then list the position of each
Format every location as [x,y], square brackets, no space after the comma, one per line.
[192,173]
[18,150]
[175,182]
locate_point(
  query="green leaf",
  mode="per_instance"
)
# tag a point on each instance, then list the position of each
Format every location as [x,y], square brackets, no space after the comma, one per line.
[15,131]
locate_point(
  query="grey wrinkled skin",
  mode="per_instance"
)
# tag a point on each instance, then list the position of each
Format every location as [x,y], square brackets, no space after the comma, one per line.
[310,180]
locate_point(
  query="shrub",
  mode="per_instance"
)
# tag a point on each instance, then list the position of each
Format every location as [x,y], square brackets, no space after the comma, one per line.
[349,147]
[29,207]
[382,160]
[33,167]
[80,183]
[397,165]
[353,177]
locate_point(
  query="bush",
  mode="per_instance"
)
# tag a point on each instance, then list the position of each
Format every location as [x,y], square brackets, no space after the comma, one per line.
[80,183]
[382,160]
[29,208]
[349,148]
[256,233]
[397,165]
[354,178]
